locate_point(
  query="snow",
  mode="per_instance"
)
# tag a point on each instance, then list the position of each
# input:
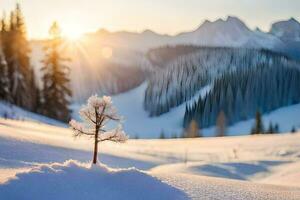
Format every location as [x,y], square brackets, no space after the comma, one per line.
[200,187]
[286,118]
[240,167]
[265,167]
[13,112]
[73,180]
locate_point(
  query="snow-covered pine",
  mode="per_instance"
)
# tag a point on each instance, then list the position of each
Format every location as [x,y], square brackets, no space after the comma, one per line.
[95,115]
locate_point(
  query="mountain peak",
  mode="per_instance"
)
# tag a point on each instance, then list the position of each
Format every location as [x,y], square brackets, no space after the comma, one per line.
[149,32]
[292,19]
[289,29]
[229,22]
[233,19]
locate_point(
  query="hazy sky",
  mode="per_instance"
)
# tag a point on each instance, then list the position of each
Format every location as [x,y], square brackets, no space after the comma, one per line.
[163,16]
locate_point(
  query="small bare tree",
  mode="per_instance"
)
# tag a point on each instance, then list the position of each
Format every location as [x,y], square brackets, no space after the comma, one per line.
[96,114]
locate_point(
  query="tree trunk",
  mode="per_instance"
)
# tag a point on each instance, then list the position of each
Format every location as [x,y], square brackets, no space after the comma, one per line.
[95,152]
[96,146]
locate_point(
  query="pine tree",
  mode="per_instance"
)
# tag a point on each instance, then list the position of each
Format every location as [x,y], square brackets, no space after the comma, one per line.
[293,130]
[17,57]
[258,127]
[193,130]
[56,92]
[271,128]
[4,68]
[4,81]
[162,135]
[221,125]
[276,128]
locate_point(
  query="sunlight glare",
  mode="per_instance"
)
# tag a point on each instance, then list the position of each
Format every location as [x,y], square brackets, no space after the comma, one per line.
[72,32]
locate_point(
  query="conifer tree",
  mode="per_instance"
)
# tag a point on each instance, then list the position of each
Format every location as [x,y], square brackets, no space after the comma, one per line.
[193,130]
[221,125]
[4,84]
[293,130]
[258,127]
[17,57]
[56,92]
[271,128]
[4,81]
[276,128]
[162,135]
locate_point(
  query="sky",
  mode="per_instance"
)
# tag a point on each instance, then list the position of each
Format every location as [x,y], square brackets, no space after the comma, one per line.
[162,16]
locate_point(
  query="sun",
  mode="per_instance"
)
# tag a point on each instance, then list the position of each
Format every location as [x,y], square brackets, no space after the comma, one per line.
[72,33]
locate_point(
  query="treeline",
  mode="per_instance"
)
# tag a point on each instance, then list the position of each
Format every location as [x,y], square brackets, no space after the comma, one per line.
[241,93]
[17,77]
[184,76]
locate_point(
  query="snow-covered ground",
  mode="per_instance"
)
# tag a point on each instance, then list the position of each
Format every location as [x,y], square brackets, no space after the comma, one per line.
[73,180]
[241,167]
[14,112]
[138,123]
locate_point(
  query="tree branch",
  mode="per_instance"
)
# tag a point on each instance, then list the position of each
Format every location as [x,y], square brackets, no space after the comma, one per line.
[112,118]
[82,132]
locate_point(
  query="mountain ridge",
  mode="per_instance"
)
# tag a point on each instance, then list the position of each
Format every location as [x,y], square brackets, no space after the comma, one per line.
[229,32]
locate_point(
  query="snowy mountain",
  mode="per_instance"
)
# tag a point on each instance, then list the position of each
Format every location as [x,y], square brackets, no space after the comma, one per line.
[231,32]
[288,32]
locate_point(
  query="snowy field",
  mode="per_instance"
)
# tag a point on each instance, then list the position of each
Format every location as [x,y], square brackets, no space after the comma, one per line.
[35,164]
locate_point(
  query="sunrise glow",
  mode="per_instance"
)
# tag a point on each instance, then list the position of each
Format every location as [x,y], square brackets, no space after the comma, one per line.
[72,32]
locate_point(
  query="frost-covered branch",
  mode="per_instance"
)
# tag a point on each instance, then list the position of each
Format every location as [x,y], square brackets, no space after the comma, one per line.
[78,129]
[117,135]
[95,115]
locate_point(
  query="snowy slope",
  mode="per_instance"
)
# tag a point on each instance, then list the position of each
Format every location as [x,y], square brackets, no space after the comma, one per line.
[198,187]
[73,180]
[286,118]
[25,147]
[138,123]
[13,112]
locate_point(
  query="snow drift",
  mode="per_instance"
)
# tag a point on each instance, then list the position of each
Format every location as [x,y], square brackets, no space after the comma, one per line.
[74,180]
